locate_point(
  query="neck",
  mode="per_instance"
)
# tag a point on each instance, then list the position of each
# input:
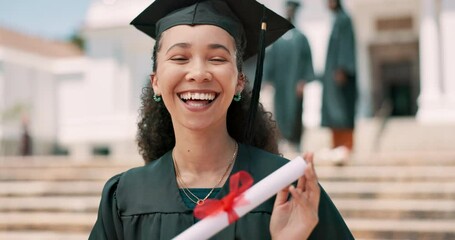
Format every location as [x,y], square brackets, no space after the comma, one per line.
[203,156]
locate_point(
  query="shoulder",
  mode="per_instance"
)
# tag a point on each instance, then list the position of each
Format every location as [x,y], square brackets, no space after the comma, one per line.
[110,187]
[300,38]
[138,177]
[116,183]
[300,34]
[142,177]
[343,18]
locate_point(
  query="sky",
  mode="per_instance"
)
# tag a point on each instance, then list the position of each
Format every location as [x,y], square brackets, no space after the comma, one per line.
[52,19]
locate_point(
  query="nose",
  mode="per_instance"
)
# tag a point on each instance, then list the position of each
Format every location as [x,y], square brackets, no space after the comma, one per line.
[198,71]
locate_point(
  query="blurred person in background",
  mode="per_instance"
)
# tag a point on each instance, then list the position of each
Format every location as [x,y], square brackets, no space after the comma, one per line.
[288,66]
[339,85]
[194,116]
[26,139]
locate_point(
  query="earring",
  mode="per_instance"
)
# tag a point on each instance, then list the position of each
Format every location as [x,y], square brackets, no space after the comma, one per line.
[237,97]
[157,98]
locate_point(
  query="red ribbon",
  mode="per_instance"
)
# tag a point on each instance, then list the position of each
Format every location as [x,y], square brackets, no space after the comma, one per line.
[238,183]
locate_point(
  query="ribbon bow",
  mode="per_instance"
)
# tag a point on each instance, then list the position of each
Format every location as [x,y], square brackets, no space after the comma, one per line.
[238,183]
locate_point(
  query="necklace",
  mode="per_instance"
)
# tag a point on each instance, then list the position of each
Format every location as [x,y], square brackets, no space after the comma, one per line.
[195,199]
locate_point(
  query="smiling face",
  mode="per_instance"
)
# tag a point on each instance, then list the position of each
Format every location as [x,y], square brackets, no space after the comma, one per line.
[197,75]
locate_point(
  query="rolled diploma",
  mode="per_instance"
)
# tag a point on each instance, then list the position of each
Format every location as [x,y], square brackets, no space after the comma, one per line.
[257,194]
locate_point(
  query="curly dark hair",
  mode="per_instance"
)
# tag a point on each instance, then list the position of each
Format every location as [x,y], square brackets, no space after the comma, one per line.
[155,134]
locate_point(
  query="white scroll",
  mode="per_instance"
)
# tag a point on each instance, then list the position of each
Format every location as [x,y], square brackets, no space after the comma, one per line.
[257,194]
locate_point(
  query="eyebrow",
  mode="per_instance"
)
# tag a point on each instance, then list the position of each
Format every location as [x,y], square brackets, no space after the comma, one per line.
[181,45]
[219,46]
[211,46]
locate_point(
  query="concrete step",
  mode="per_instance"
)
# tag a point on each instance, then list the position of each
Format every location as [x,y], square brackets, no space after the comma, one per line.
[46,221]
[360,173]
[378,189]
[50,204]
[387,173]
[66,162]
[361,227]
[396,208]
[42,235]
[93,188]
[61,173]
[406,158]
[433,229]
[51,188]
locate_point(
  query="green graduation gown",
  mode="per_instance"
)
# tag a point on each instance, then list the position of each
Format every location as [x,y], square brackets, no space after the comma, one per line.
[288,61]
[145,203]
[338,101]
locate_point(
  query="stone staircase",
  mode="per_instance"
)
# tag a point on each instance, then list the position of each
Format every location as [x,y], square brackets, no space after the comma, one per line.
[381,196]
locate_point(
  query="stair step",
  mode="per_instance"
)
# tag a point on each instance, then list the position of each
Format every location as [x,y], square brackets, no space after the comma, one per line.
[414,225]
[55,221]
[384,173]
[384,187]
[60,173]
[364,173]
[397,205]
[396,208]
[50,188]
[57,161]
[42,235]
[398,158]
[49,204]
[400,229]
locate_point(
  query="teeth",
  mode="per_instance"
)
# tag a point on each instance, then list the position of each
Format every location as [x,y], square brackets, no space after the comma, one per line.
[197,96]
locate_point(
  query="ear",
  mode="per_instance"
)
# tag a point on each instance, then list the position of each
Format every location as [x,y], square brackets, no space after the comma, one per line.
[241,80]
[154,83]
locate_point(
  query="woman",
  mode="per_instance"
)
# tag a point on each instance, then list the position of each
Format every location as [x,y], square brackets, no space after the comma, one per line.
[191,134]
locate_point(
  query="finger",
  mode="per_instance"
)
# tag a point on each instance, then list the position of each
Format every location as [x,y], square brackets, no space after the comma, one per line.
[281,197]
[311,178]
[308,157]
[302,180]
[301,183]
[298,196]
[295,193]
[312,185]
[310,171]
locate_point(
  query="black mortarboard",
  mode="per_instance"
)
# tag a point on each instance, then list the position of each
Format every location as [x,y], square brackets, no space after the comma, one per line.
[231,15]
[243,19]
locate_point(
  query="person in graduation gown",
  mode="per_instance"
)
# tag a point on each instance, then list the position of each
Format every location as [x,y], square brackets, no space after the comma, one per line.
[288,66]
[339,92]
[191,133]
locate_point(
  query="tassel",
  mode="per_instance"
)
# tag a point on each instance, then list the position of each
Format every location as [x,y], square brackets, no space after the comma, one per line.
[257,79]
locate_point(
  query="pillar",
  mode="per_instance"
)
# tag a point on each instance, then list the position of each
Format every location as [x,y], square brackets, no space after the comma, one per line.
[430,60]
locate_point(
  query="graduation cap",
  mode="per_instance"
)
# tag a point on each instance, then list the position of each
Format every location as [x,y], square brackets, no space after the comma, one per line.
[248,21]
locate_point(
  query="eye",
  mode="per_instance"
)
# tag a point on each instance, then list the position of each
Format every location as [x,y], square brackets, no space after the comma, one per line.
[179,59]
[218,60]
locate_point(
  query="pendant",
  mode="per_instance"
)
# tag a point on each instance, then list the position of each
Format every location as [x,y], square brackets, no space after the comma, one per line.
[200,202]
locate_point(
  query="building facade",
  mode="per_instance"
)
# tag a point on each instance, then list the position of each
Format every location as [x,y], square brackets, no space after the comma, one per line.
[30,69]
[89,104]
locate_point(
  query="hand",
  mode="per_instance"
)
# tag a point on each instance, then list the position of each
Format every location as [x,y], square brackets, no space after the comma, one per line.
[341,77]
[296,218]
